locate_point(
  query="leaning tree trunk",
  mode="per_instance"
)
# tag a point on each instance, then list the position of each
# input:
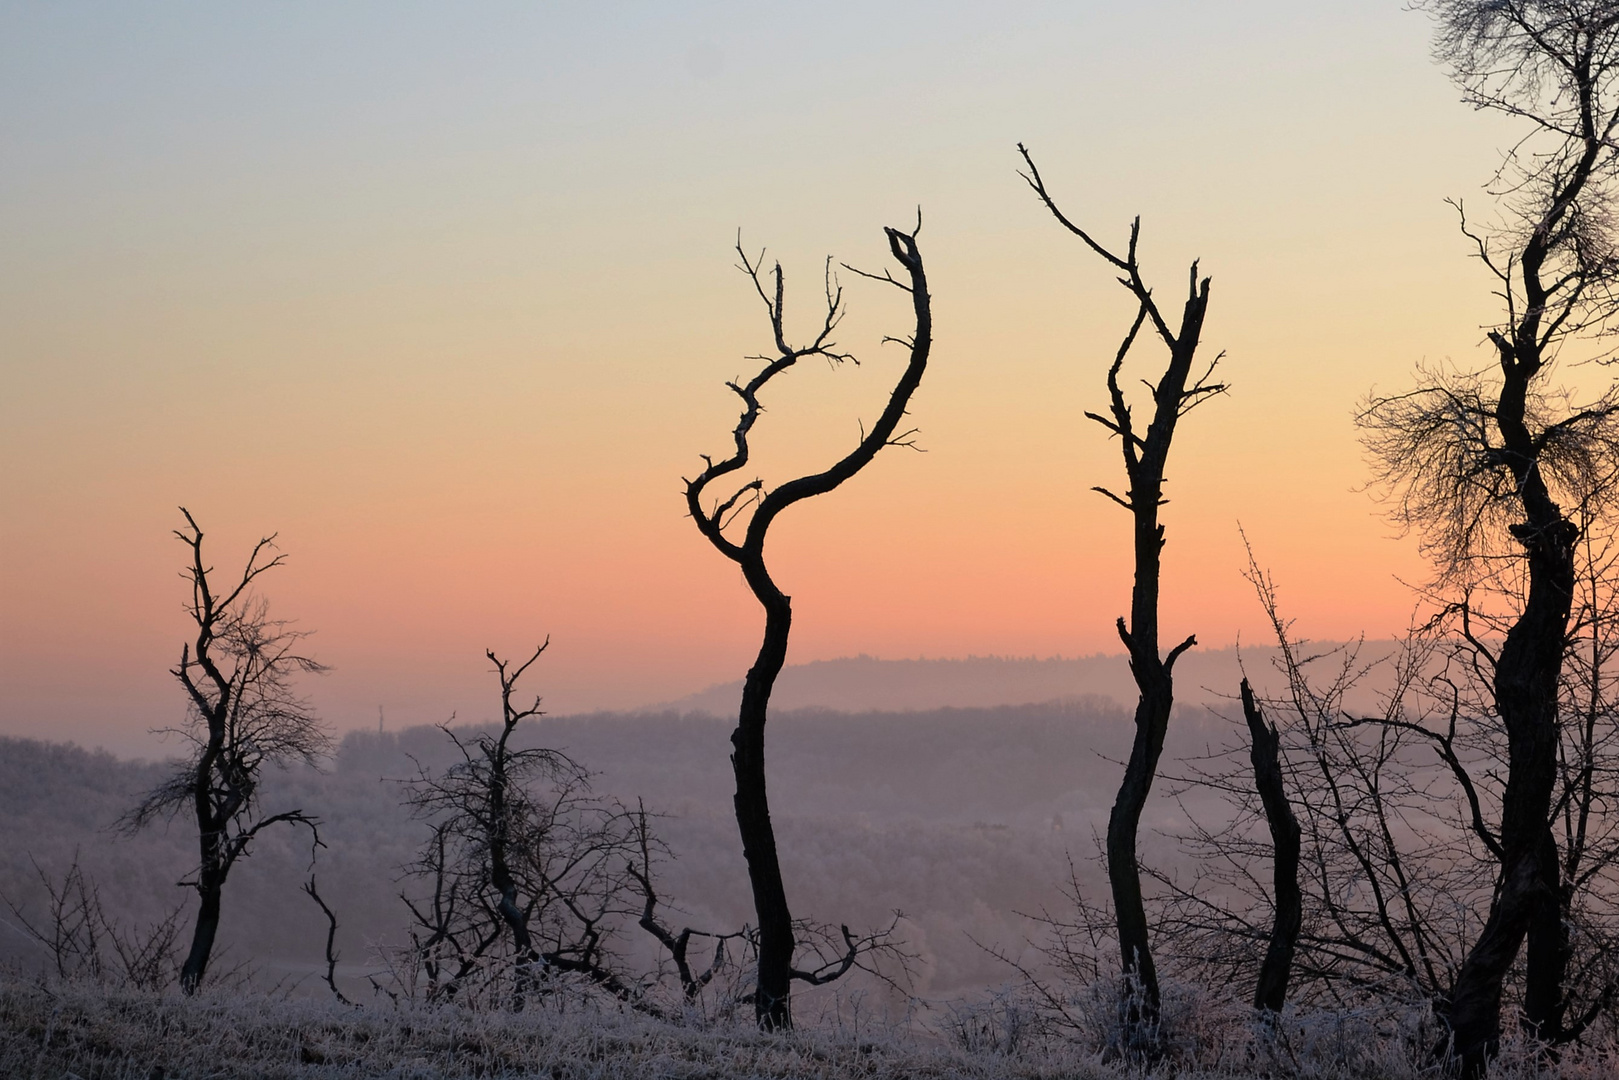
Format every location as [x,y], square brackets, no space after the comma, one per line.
[772,1000]
[1270,992]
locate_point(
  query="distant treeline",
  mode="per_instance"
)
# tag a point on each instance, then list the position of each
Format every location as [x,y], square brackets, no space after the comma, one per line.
[958,817]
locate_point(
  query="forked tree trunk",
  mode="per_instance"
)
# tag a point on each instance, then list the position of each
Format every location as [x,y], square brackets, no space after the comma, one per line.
[1145,456]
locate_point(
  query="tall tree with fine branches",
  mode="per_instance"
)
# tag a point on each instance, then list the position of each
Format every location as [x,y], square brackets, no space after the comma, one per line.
[1494,467]
[759,507]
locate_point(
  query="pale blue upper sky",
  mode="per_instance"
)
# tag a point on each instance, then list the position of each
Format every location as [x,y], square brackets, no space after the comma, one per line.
[445,294]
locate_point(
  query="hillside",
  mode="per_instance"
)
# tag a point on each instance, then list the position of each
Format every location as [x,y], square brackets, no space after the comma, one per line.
[865,683]
[960,818]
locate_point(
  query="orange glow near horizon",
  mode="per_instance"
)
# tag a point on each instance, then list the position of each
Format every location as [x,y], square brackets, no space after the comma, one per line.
[454,320]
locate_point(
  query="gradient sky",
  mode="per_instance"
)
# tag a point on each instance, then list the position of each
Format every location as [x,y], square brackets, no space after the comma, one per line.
[445,295]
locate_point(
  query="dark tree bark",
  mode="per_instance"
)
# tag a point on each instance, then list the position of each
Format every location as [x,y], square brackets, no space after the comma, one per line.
[501,821]
[1483,488]
[775,922]
[1527,673]
[243,714]
[678,944]
[1145,457]
[210,888]
[1270,992]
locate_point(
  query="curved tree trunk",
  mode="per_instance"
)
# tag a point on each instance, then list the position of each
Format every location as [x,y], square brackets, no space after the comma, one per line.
[772,999]
[1174,394]
[1527,674]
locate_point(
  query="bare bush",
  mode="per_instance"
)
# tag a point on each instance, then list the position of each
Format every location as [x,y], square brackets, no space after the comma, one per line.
[85,943]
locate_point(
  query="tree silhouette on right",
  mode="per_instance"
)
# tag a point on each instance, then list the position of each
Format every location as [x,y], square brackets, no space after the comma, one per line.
[1496,468]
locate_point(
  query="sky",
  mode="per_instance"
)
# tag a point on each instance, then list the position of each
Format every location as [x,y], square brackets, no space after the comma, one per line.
[445,297]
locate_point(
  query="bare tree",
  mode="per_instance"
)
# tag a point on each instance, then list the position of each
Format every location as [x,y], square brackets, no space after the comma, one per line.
[242,715]
[526,866]
[1177,392]
[1487,465]
[775,921]
[1400,819]
[1384,855]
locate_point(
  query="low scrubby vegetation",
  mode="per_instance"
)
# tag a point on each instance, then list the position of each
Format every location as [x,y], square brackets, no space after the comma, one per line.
[61,1030]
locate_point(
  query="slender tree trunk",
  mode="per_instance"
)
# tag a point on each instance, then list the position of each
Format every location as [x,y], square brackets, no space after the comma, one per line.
[772,1000]
[1270,993]
[211,869]
[1123,870]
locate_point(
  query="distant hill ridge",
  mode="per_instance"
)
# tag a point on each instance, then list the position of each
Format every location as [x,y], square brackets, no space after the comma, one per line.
[864,683]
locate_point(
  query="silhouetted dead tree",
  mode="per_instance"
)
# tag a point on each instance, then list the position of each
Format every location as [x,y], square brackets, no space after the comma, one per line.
[242,715]
[1488,465]
[1177,392]
[331,940]
[776,972]
[525,865]
[1270,989]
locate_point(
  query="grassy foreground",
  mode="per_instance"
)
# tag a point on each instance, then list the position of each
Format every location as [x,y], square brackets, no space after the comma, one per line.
[98,1034]
[86,1032]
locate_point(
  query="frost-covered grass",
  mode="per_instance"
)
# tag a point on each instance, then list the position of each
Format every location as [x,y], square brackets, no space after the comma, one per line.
[52,1032]
[94,1033]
